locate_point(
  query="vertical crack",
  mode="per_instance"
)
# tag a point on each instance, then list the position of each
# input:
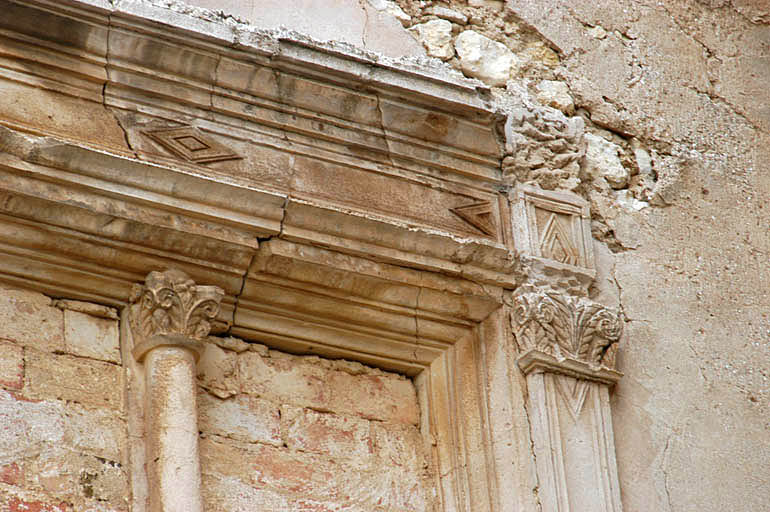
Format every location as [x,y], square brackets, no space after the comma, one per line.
[663,469]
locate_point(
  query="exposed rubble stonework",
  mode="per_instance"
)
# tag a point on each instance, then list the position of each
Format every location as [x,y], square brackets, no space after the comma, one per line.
[384,255]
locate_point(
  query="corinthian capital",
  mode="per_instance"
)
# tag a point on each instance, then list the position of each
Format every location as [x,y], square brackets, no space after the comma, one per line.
[171,304]
[566,329]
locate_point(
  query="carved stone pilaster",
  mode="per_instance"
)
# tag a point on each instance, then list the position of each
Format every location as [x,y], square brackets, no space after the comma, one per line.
[567,350]
[169,317]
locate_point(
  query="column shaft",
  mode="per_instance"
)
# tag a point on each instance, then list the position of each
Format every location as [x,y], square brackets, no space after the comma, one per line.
[173,463]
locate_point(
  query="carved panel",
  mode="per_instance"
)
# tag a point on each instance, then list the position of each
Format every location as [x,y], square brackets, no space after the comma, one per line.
[566,327]
[479,215]
[191,144]
[554,227]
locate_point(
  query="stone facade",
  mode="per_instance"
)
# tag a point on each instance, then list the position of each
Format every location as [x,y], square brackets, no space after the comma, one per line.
[458,255]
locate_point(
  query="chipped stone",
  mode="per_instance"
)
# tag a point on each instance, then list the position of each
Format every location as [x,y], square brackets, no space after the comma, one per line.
[555,94]
[436,37]
[88,308]
[602,161]
[597,32]
[448,14]
[393,9]
[489,61]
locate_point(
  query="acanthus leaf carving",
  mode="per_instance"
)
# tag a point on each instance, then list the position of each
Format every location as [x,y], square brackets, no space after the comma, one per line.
[566,327]
[170,302]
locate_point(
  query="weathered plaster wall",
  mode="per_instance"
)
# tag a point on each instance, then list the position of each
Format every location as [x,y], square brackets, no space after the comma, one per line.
[684,237]
[62,430]
[674,100]
[283,432]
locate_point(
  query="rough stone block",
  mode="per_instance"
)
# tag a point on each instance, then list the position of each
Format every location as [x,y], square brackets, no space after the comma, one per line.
[28,426]
[344,437]
[218,371]
[89,336]
[66,377]
[11,366]
[294,380]
[243,418]
[28,319]
[98,432]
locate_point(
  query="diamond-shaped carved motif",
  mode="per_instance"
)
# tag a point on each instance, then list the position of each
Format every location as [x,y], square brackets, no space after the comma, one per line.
[190,144]
[555,242]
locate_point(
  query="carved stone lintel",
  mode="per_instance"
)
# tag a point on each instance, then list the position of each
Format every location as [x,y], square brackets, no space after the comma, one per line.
[170,303]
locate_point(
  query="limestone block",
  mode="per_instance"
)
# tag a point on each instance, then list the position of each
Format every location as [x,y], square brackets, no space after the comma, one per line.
[95,431]
[399,445]
[65,377]
[602,161]
[292,380]
[218,371]
[89,336]
[555,94]
[448,14]
[11,366]
[489,61]
[393,9]
[28,319]
[436,37]
[340,437]
[243,418]
[28,426]
[76,477]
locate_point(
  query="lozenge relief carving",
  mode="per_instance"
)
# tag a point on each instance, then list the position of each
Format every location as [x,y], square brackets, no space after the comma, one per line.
[553,227]
[191,144]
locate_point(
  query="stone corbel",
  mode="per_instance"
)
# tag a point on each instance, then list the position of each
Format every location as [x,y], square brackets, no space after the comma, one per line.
[567,349]
[169,317]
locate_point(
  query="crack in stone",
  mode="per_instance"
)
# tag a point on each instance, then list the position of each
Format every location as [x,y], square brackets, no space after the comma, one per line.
[665,473]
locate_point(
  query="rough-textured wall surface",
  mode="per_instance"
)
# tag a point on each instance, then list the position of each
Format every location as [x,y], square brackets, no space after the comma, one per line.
[675,103]
[62,433]
[675,161]
[282,432]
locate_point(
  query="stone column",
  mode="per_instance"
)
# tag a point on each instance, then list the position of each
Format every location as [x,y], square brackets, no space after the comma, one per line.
[567,351]
[169,318]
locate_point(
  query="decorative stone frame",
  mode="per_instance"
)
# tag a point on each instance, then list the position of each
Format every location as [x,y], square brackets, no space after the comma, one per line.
[419,284]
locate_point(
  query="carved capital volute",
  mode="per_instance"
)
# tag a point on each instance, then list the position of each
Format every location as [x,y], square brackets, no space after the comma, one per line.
[563,334]
[171,310]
